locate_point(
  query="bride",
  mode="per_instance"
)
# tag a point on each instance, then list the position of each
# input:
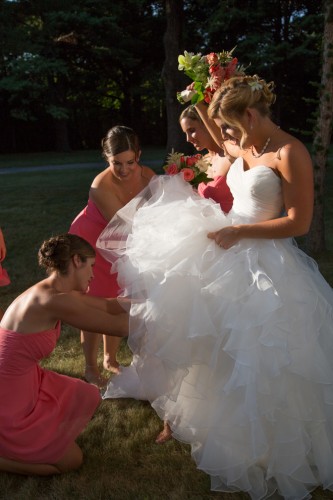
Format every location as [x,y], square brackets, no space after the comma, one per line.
[231,323]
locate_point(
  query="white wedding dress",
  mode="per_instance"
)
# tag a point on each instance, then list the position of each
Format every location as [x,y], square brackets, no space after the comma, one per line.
[234,348]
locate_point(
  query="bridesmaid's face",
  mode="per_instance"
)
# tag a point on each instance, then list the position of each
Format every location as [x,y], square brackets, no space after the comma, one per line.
[85,273]
[123,164]
[196,133]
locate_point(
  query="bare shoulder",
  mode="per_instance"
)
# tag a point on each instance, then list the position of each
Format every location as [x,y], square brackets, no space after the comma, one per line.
[102,188]
[293,156]
[101,179]
[147,172]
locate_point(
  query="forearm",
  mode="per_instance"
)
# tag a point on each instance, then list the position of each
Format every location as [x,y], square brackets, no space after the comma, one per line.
[283,227]
[108,305]
[93,319]
[211,126]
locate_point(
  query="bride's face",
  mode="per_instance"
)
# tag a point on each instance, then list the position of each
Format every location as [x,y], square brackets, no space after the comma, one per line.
[228,132]
[124,164]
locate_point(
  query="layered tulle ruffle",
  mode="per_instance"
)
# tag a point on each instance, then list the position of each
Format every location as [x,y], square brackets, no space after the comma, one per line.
[233,348]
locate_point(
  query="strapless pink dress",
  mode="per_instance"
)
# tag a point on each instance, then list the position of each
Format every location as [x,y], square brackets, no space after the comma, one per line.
[41,412]
[217,190]
[89,224]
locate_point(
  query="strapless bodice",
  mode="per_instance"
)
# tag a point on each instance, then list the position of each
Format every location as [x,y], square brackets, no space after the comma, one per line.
[257,192]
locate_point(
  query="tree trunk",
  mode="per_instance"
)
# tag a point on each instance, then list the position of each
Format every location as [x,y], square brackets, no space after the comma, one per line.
[172,78]
[322,136]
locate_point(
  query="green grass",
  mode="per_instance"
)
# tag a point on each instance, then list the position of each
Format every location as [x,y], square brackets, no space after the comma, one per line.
[122,462]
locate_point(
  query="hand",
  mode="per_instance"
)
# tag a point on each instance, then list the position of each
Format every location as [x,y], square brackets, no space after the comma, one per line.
[226,237]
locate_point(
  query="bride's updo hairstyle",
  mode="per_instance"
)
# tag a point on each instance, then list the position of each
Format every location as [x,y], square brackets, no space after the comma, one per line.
[55,253]
[236,95]
[119,139]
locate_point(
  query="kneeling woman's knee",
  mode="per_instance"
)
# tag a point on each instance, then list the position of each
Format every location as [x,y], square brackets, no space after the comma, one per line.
[72,459]
[77,458]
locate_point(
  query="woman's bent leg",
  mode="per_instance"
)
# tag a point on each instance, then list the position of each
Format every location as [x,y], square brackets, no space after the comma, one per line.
[71,460]
[111,346]
[90,344]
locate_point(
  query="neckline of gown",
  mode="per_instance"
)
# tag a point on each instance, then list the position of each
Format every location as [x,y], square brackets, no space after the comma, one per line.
[241,163]
[48,330]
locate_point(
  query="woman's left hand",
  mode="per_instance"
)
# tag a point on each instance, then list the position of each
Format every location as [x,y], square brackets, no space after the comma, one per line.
[226,237]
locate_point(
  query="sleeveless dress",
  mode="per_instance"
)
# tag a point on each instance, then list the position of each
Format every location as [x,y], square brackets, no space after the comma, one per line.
[89,224]
[41,412]
[217,190]
[233,348]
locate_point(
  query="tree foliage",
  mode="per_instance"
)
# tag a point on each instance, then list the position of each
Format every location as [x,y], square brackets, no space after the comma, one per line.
[70,70]
[322,136]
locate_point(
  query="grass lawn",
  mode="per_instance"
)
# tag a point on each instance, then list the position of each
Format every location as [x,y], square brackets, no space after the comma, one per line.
[122,462]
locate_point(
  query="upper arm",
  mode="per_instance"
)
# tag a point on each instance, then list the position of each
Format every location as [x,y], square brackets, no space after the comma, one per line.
[104,200]
[72,308]
[296,171]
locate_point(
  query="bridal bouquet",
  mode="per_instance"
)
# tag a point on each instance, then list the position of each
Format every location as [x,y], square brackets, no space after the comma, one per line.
[208,72]
[193,168]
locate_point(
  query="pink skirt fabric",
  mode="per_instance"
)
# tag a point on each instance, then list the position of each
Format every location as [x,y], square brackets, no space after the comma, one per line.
[89,224]
[217,190]
[41,412]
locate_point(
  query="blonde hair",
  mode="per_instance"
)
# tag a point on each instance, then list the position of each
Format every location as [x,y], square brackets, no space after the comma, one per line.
[236,95]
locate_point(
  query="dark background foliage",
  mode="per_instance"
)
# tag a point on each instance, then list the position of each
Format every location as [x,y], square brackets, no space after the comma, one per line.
[69,70]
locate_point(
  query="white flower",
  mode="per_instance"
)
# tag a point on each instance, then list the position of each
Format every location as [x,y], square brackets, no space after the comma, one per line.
[185,95]
[174,157]
[202,165]
[255,86]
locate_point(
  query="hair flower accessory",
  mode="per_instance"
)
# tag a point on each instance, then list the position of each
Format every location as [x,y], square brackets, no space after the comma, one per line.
[192,168]
[208,72]
[255,86]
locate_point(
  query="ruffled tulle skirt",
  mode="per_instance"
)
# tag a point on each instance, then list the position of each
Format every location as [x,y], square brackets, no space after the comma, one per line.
[234,348]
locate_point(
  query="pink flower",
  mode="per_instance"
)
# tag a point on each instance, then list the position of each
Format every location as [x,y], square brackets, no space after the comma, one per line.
[231,68]
[188,174]
[172,169]
[191,160]
[212,58]
[208,94]
[214,69]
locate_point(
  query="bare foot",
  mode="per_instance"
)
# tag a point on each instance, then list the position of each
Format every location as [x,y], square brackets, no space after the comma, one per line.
[111,366]
[164,435]
[92,376]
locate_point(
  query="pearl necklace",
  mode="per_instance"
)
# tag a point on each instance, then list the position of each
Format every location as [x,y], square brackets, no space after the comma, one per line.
[257,155]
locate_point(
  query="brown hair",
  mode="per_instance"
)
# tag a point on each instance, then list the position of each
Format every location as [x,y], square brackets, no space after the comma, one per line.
[238,93]
[191,113]
[55,253]
[119,139]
